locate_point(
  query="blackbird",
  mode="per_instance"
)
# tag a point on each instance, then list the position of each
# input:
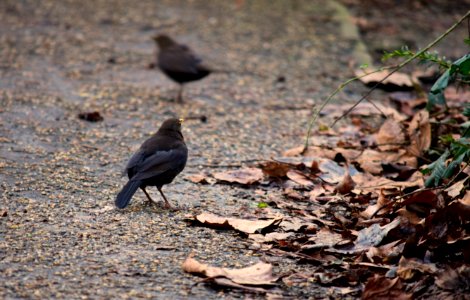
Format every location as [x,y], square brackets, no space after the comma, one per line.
[179,62]
[157,162]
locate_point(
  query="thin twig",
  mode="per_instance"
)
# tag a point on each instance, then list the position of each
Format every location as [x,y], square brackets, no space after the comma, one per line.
[316,113]
[401,65]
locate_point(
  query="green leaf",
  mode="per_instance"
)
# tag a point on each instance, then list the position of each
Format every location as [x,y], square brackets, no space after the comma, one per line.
[364,66]
[436,94]
[262,205]
[467,41]
[454,164]
[438,169]
[466,110]
[462,65]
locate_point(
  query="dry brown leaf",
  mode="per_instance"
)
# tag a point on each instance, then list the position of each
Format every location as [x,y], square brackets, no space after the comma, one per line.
[396,81]
[385,253]
[270,237]
[371,161]
[466,199]
[380,287]
[299,178]
[243,176]
[455,189]
[275,169]
[371,236]
[197,178]
[368,183]
[419,131]
[346,185]
[390,136]
[258,274]
[246,226]
[408,268]
[455,280]
[294,151]
[326,238]
[382,202]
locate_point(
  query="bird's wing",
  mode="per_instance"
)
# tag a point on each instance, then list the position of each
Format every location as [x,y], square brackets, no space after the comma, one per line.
[160,162]
[180,59]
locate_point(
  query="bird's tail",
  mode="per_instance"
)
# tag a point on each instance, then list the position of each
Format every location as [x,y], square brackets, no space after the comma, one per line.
[125,195]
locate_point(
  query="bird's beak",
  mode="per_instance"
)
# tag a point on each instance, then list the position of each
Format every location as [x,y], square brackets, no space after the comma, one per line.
[181,121]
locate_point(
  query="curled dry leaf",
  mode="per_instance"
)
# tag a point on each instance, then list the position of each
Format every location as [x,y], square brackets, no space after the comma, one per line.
[380,287]
[419,131]
[455,280]
[300,178]
[371,236]
[258,274]
[371,161]
[243,176]
[455,189]
[346,185]
[275,169]
[246,226]
[409,268]
[396,82]
[390,136]
[270,237]
[385,253]
[382,202]
[324,238]
[197,178]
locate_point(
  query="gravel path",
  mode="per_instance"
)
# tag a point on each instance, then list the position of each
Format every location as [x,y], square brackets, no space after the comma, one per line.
[60,235]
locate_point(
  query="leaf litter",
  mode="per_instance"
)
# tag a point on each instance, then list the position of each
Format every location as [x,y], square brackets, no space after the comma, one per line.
[359,212]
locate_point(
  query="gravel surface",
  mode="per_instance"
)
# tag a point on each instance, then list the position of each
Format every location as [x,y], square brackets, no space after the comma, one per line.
[60,235]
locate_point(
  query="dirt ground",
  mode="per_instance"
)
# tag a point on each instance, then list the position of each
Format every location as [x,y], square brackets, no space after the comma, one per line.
[60,234]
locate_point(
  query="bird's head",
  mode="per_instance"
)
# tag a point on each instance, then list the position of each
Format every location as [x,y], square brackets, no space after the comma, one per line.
[163,41]
[172,125]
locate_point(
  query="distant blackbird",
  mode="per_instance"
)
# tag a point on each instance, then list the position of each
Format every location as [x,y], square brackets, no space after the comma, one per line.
[157,162]
[179,62]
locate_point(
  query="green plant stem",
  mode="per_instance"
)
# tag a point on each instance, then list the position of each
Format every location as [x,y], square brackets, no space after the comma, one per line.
[401,65]
[316,112]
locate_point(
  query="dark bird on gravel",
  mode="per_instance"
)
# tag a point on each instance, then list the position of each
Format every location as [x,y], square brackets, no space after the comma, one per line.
[179,62]
[157,162]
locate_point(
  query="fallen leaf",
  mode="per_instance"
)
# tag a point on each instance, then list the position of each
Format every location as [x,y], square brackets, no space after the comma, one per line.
[197,178]
[390,136]
[258,274]
[455,189]
[407,102]
[299,178]
[419,131]
[245,176]
[385,253]
[381,204]
[409,268]
[346,185]
[371,161]
[395,82]
[246,226]
[380,287]
[270,237]
[224,282]
[455,280]
[397,171]
[371,236]
[275,169]
[324,238]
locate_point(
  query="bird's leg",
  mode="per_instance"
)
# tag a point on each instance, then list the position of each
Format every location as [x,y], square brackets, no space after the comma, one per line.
[179,99]
[167,204]
[148,196]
